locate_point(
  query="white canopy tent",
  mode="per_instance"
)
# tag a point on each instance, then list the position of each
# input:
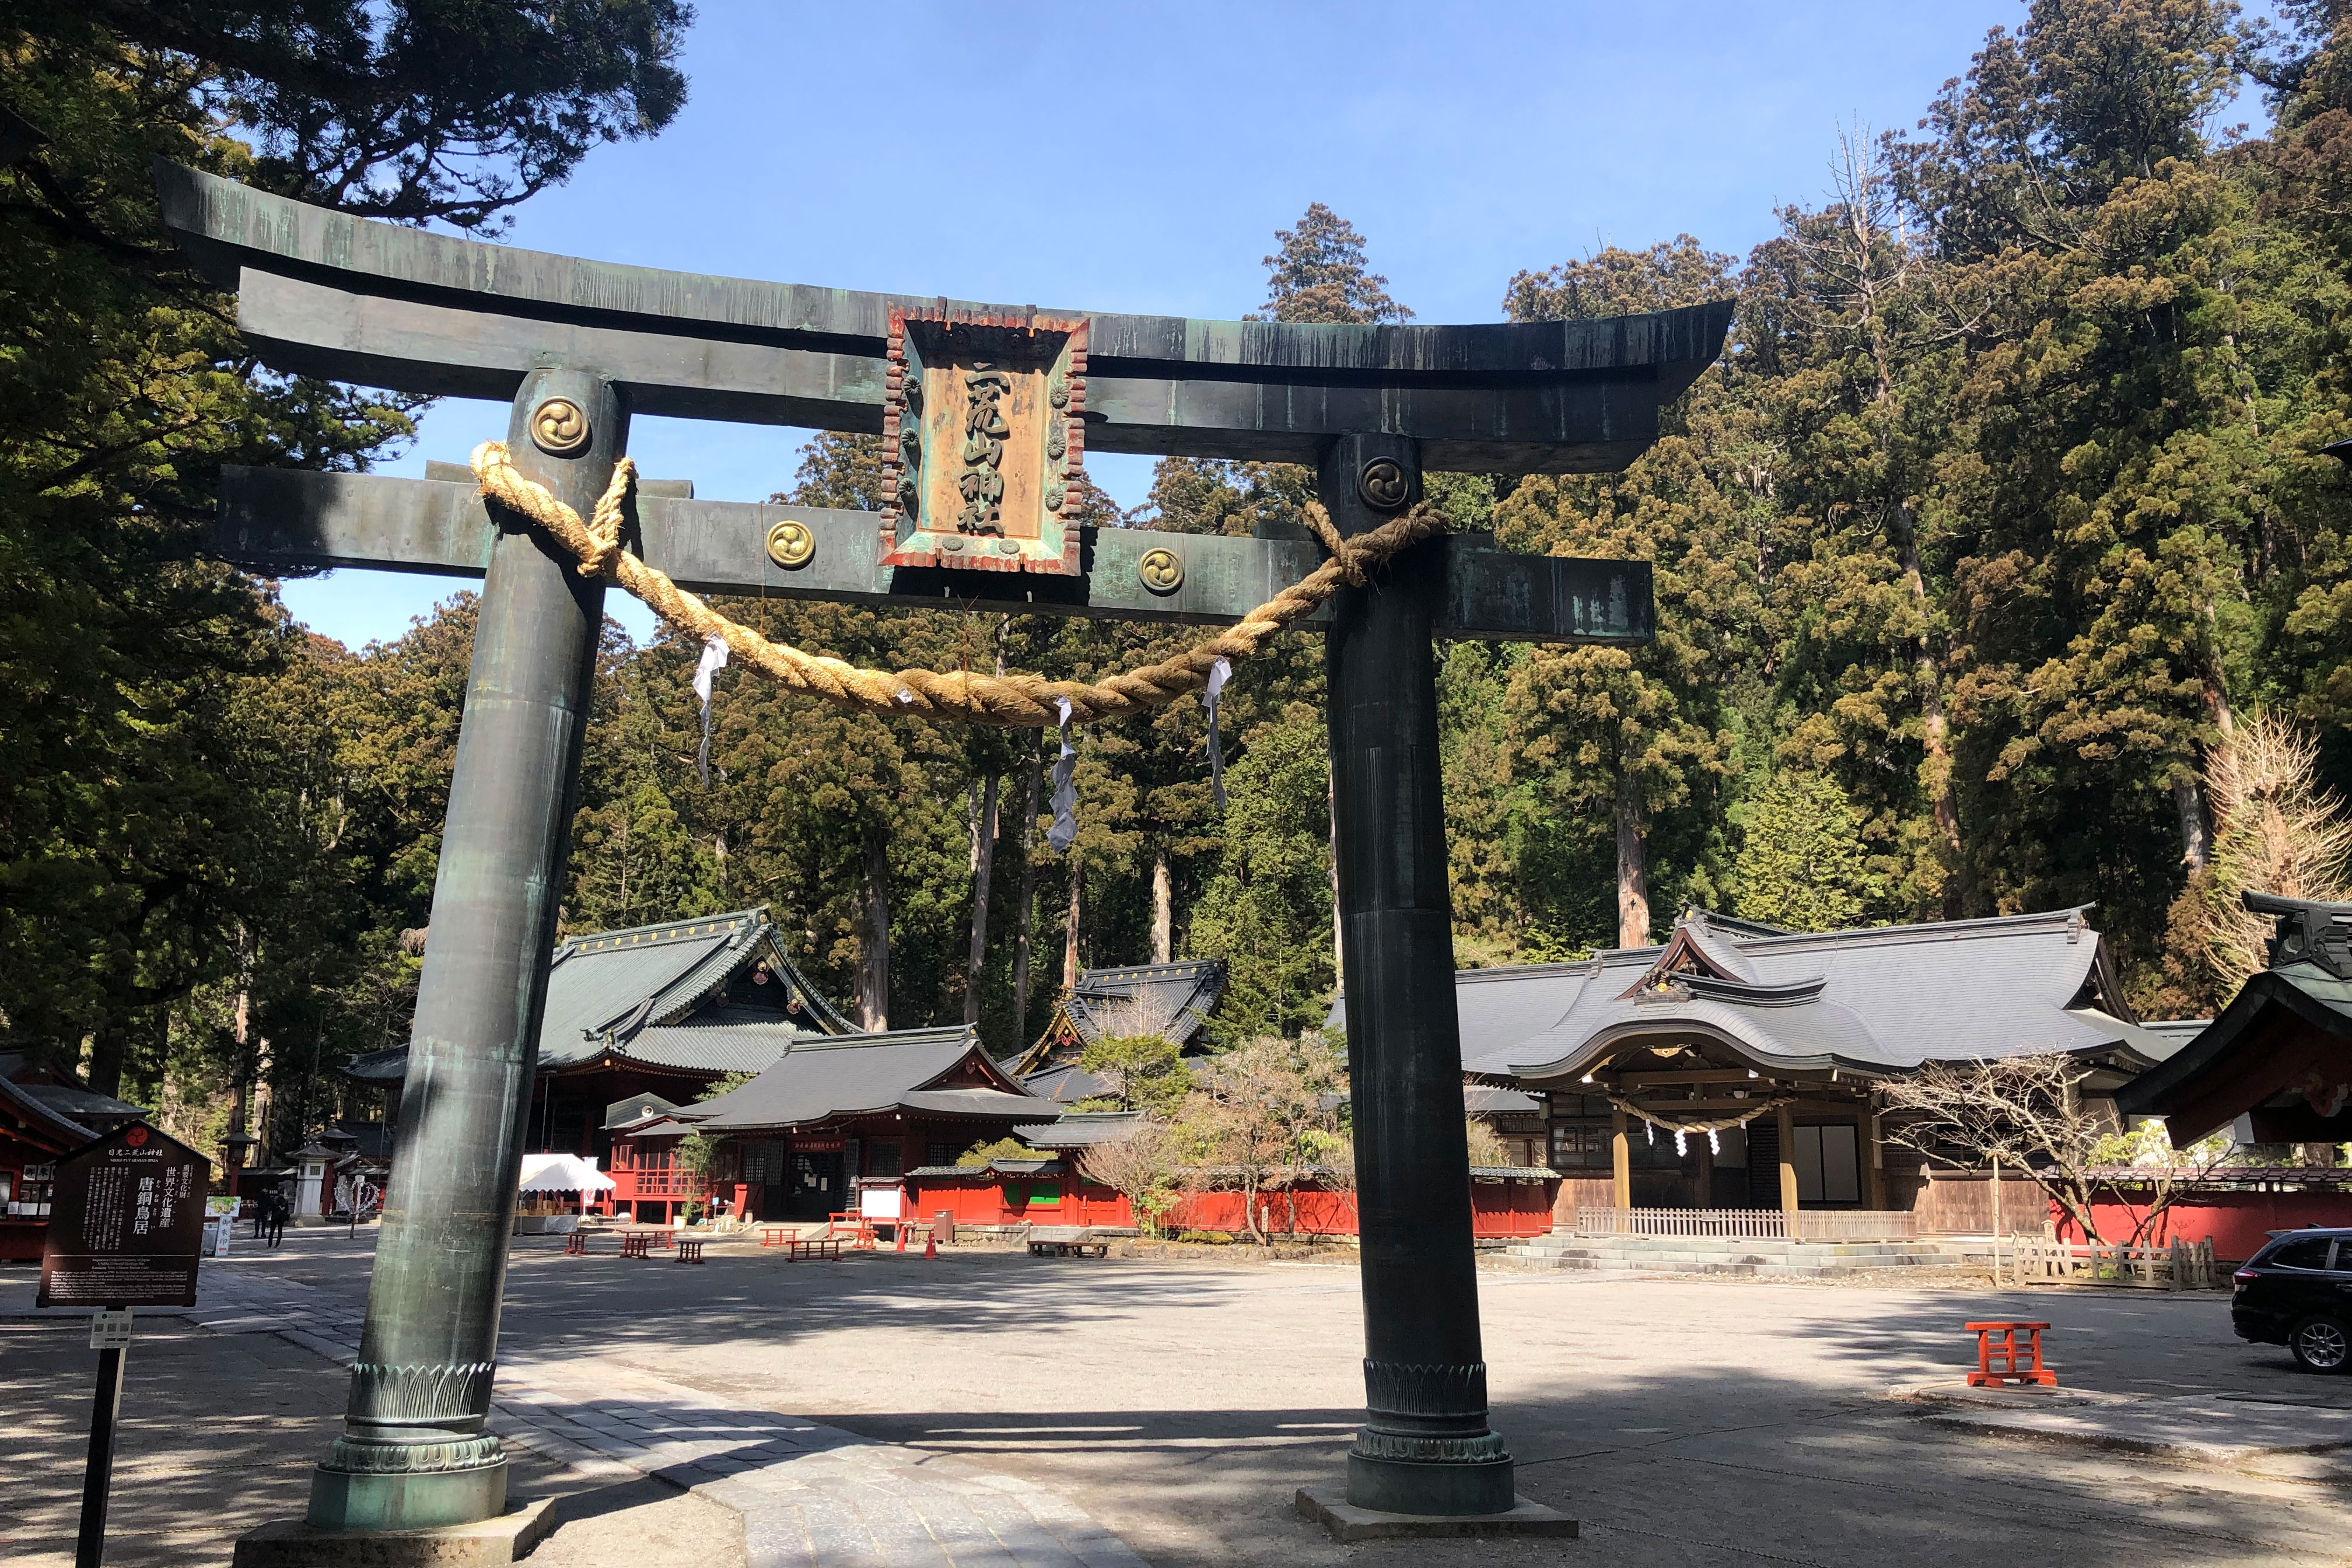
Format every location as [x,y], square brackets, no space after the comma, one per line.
[560,1173]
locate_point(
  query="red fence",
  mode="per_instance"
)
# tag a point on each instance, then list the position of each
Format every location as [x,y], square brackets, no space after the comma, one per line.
[2238,1222]
[1499,1209]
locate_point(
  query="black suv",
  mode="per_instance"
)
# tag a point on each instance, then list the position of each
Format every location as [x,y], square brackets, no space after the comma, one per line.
[2297,1292]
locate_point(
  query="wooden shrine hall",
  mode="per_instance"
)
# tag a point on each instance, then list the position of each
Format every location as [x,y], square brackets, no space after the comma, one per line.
[1779,1044]
[833,1112]
[1173,1000]
[665,1009]
[2276,1064]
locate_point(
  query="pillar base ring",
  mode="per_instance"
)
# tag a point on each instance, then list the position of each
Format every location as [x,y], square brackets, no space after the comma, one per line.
[1417,1448]
[358,1456]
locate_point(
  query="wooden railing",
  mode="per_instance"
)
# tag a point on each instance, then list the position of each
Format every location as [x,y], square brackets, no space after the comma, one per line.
[2181,1266]
[1758,1224]
[1856,1225]
[655,1182]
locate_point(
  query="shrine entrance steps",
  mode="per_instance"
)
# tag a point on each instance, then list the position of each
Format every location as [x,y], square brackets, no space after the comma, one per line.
[1742,1257]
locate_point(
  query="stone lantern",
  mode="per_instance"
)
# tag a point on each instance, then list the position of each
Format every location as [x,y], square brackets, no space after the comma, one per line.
[310,1162]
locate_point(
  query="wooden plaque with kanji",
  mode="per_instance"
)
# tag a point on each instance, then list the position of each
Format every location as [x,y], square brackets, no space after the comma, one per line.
[982,442]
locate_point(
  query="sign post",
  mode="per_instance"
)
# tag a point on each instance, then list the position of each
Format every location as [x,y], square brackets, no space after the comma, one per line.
[109,1336]
[126,1228]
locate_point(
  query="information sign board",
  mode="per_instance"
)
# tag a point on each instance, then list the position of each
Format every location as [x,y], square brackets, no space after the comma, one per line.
[126,1222]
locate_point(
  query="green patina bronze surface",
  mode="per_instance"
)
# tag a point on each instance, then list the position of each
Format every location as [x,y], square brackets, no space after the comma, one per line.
[1371,407]
[327,294]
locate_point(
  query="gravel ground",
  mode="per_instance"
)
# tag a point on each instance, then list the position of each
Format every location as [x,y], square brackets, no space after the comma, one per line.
[1181,1401]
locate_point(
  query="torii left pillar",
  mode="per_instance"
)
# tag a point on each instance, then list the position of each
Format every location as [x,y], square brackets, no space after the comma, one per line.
[414,1453]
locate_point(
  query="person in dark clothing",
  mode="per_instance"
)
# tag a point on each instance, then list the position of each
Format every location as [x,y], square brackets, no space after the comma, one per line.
[274,1207]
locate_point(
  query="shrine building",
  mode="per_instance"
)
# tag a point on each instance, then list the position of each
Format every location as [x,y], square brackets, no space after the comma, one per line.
[1174,1000]
[833,1112]
[1739,1067]
[2276,1066]
[665,1010]
[32,1134]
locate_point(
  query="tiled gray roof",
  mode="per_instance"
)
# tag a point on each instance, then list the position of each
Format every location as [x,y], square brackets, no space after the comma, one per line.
[1067,1084]
[75,1104]
[720,1047]
[2177,1032]
[608,987]
[636,1108]
[1173,999]
[971,1101]
[663,1127]
[1882,999]
[629,994]
[819,1078]
[1080,1129]
[1170,999]
[53,1125]
[1500,1005]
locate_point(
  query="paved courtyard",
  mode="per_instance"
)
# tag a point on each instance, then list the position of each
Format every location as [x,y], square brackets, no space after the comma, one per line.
[991,1407]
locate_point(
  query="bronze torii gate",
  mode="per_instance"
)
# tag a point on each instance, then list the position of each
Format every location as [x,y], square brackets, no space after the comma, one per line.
[580,345]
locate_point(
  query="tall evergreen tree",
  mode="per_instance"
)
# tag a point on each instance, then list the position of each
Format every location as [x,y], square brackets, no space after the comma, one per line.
[125,389]
[1319,275]
[1802,865]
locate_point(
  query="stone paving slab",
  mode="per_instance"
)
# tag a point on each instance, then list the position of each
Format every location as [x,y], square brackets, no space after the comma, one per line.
[810,1496]
[2200,1429]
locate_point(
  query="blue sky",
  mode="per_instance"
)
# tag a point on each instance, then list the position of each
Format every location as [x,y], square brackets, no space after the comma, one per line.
[1140,158]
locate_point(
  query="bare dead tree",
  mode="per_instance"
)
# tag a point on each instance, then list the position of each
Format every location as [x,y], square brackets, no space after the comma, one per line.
[2029,1112]
[1486,1145]
[1258,1117]
[2277,831]
[1142,1166]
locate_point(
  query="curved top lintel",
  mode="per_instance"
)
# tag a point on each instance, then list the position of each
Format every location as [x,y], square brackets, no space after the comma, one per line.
[226,226]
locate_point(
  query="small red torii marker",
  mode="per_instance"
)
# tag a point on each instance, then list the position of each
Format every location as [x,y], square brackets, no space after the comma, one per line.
[1986,1377]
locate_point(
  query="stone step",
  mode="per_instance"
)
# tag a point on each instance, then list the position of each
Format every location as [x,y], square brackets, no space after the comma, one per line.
[1686,1261]
[1737,1257]
[1728,1247]
[1711,1266]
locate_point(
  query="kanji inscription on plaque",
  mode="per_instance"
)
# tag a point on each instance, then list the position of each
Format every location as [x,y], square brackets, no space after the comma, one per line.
[127,1223]
[982,442]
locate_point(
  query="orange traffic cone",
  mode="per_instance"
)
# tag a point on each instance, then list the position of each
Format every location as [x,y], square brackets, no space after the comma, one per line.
[930,1248]
[902,1236]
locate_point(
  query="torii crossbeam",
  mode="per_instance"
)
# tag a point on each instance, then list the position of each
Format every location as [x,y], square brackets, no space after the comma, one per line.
[976,519]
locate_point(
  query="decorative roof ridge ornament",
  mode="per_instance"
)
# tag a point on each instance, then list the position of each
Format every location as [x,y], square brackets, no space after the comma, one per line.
[1688,953]
[2306,931]
[1753,993]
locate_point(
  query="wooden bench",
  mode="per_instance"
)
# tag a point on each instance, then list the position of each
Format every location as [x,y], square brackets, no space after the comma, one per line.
[636,1244]
[813,1247]
[1065,1241]
[689,1248]
[2006,1350]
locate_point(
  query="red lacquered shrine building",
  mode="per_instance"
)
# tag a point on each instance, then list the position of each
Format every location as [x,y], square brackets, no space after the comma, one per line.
[833,1112]
[32,1134]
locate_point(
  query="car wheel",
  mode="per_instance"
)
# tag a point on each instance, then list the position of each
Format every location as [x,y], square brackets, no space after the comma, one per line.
[2321,1344]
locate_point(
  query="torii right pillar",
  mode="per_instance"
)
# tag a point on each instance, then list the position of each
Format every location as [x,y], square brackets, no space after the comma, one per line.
[1424,1447]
